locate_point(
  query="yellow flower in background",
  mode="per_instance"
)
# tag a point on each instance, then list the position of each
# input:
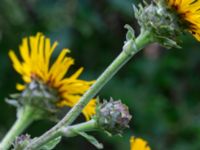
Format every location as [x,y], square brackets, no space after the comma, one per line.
[36,52]
[189,12]
[138,144]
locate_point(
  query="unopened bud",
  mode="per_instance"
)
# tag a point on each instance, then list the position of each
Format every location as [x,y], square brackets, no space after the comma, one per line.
[113,116]
[21,142]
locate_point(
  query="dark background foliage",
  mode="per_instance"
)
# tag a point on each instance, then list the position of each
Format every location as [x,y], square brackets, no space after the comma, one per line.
[161,87]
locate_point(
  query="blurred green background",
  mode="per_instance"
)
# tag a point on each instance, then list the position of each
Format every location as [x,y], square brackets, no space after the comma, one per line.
[161,87]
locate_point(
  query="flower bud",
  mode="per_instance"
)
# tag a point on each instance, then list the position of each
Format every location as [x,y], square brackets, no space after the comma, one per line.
[21,142]
[113,116]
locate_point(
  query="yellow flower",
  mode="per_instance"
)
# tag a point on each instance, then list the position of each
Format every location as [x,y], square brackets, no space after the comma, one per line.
[36,52]
[138,144]
[189,13]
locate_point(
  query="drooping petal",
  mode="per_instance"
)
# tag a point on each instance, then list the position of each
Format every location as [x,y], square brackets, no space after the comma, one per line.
[36,52]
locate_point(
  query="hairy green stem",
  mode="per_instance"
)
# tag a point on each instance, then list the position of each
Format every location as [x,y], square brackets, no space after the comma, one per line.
[130,48]
[82,127]
[25,118]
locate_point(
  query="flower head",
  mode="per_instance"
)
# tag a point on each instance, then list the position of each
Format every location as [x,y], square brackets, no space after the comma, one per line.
[188,12]
[138,144]
[36,66]
[166,20]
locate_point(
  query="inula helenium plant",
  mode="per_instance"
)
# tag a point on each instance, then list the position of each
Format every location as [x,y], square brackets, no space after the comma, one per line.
[47,85]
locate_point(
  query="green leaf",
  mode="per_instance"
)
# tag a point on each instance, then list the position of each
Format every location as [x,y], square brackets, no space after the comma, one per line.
[12,102]
[91,139]
[130,33]
[52,144]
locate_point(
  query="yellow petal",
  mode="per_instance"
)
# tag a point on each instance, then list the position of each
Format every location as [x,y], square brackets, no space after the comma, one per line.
[20,87]
[138,144]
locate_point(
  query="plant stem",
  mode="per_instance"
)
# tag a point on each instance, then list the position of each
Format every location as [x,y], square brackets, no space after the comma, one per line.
[24,119]
[130,48]
[82,127]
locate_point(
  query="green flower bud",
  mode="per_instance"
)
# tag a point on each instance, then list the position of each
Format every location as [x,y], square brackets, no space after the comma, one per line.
[113,116]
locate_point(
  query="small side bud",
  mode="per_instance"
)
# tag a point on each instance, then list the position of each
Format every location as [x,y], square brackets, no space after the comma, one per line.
[21,142]
[113,116]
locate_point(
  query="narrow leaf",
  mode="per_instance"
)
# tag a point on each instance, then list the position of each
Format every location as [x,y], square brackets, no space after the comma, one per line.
[91,139]
[52,144]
